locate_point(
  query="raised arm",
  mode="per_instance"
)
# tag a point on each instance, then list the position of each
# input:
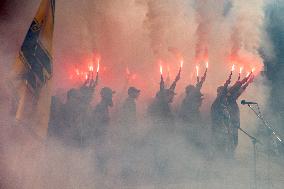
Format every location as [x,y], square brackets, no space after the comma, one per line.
[173,86]
[243,88]
[228,81]
[87,81]
[246,78]
[95,82]
[162,83]
[200,83]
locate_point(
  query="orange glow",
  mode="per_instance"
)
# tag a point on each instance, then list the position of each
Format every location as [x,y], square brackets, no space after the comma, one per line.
[98,66]
[247,61]
[161,69]
[207,65]
[134,76]
[197,70]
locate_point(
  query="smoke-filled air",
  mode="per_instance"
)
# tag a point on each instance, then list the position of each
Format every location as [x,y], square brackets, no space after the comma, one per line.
[141,94]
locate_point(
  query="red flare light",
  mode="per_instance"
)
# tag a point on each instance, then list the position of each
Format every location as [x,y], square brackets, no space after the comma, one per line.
[253,70]
[247,74]
[241,70]
[98,66]
[233,67]
[161,69]
[197,70]
[181,63]
[91,68]
[207,65]
[86,76]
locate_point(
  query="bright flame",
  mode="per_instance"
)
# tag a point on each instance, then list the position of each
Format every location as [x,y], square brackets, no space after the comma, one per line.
[247,74]
[181,63]
[233,67]
[161,69]
[86,76]
[241,70]
[91,68]
[197,70]
[253,70]
[207,65]
[98,66]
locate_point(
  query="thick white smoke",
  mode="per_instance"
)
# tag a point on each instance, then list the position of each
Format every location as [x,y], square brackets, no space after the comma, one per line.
[136,34]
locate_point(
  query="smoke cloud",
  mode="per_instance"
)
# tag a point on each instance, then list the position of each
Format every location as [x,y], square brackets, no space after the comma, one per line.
[137,34]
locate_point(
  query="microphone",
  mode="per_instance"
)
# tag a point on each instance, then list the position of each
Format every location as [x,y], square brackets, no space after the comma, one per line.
[244,102]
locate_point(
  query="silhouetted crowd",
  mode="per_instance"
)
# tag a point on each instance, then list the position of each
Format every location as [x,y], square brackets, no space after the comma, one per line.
[76,122]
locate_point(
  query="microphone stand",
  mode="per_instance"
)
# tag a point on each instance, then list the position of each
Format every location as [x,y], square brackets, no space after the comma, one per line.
[267,126]
[254,141]
[265,123]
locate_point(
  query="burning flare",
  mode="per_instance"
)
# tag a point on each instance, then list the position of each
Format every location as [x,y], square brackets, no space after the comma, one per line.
[197,70]
[207,65]
[91,68]
[233,67]
[241,70]
[98,66]
[240,73]
[181,64]
[247,74]
[161,69]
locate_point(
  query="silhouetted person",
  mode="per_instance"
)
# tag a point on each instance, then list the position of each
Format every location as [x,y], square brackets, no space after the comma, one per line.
[88,88]
[128,115]
[71,117]
[160,109]
[233,94]
[188,105]
[162,126]
[189,110]
[101,121]
[55,124]
[221,129]
[87,92]
[189,114]
[100,115]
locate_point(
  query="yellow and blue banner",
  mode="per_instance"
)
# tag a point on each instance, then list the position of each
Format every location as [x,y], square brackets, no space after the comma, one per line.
[36,50]
[33,71]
